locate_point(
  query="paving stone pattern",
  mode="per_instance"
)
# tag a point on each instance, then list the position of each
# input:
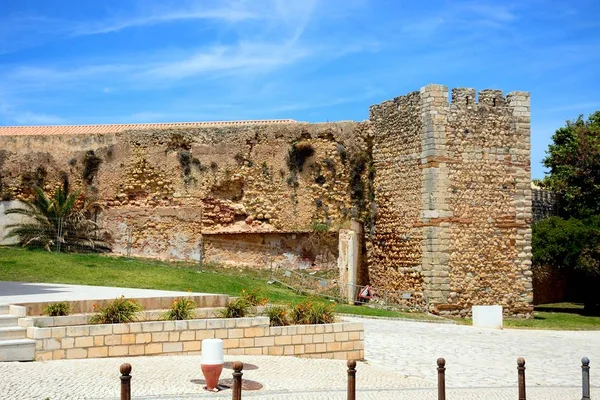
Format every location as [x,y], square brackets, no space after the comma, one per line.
[400,365]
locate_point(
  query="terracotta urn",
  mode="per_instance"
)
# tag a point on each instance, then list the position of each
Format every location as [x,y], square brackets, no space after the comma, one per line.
[212,362]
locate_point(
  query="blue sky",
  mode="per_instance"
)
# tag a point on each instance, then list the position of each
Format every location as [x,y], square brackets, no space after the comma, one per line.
[118,61]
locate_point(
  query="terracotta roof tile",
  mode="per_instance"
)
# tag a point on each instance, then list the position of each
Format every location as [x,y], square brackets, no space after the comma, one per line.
[116,128]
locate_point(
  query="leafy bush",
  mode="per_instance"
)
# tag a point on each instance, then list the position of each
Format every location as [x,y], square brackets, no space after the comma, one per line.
[236,309]
[57,309]
[181,309]
[120,310]
[308,312]
[321,313]
[571,243]
[253,298]
[278,315]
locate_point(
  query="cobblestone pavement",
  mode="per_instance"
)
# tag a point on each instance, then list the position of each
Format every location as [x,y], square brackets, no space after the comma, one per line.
[481,364]
[477,357]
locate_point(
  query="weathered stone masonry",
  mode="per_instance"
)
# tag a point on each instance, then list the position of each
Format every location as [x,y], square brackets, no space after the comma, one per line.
[442,186]
[454,197]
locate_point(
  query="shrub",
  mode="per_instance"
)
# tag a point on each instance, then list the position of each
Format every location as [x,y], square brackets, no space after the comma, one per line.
[299,313]
[278,315]
[182,308]
[308,312]
[253,298]
[321,313]
[120,310]
[57,309]
[236,309]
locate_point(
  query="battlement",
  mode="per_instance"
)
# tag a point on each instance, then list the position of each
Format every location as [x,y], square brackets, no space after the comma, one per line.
[438,95]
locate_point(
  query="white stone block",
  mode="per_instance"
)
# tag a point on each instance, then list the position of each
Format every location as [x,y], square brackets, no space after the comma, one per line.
[487,316]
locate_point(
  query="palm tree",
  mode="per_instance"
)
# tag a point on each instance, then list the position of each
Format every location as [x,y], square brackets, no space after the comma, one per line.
[57,222]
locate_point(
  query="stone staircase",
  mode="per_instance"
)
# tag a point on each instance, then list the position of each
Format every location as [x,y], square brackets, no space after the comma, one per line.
[14,345]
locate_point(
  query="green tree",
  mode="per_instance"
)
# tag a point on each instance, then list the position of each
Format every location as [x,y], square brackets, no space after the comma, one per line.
[59,222]
[572,241]
[574,163]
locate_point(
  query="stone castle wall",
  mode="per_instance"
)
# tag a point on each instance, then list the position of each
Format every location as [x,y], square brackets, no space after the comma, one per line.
[442,186]
[161,189]
[453,182]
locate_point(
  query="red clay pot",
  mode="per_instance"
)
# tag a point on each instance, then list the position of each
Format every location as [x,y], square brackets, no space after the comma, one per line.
[211,372]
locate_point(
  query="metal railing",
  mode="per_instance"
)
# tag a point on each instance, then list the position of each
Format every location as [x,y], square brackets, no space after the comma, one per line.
[332,289]
[305,283]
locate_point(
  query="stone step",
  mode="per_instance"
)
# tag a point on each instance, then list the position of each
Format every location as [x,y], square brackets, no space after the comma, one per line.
[17,350]
[8,320]
[4,309]
[13,332]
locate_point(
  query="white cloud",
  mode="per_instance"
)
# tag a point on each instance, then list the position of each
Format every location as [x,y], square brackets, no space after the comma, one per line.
[232,12]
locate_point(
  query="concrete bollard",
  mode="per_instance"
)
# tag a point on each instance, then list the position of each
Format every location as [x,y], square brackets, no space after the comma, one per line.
[521,372]
[441,363]
[351,380]
[236,393]
[125,381]
[585,372]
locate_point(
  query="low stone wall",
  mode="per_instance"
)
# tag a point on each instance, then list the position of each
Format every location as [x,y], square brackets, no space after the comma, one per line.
[241,336]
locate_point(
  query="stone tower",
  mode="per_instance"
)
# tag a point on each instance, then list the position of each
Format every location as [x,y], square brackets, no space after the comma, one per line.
[453,199]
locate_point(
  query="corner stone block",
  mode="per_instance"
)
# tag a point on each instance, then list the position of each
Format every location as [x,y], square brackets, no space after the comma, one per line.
[39,333]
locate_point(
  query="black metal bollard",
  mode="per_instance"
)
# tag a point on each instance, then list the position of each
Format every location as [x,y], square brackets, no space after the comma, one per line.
[236,393]
[125,381]
[521,371]
[351,380]
[585,372]
[441,363]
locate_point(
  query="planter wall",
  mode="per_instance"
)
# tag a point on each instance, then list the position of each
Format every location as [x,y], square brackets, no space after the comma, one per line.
[241,336]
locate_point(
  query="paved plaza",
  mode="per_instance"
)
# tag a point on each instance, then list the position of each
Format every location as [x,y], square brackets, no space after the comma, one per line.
[401,355]
[400,363]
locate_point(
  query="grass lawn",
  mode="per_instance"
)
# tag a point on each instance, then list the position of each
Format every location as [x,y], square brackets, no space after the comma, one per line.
[559,316]
[23,265]
[567,316]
